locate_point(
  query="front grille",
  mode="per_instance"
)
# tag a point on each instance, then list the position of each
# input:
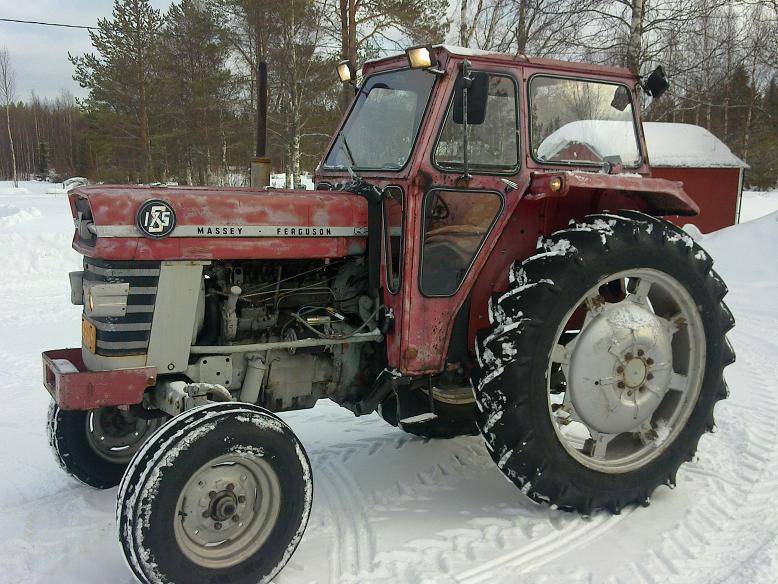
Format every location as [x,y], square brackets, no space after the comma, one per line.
[128,334]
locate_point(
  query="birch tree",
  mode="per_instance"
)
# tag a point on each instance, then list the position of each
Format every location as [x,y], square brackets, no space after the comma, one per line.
[365,26]
[7,94]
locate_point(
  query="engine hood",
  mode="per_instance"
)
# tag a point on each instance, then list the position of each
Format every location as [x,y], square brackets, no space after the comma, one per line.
[201,223]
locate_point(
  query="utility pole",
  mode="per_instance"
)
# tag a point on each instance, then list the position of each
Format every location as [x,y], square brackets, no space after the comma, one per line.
[260,166]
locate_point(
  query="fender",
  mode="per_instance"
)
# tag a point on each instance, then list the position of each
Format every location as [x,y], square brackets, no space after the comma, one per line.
[660,196]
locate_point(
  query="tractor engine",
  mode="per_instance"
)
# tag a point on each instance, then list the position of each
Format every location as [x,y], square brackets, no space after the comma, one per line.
[278,333]
[268,302]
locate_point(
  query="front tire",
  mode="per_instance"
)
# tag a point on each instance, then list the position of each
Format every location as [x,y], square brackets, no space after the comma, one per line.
[603,363]
[95,446]
[221,494]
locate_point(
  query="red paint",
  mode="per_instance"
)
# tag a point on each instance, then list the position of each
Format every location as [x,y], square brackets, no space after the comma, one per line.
[86,390]
[197,206]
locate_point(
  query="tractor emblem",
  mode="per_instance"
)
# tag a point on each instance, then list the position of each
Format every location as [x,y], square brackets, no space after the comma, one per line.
[156,219]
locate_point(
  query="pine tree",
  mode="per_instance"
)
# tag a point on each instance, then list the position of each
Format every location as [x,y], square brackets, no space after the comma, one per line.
[193,75]
[119,79]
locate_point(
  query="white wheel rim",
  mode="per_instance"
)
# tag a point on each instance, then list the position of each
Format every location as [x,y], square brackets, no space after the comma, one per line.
[622,387]
[116,436]
[227,509]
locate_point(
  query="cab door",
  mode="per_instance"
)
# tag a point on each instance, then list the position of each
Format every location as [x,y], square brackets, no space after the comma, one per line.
[459,218]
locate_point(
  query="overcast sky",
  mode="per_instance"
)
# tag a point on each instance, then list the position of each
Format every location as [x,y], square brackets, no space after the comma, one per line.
[40,53]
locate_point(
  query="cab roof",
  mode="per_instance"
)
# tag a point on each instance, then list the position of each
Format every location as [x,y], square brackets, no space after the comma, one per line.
[445,52]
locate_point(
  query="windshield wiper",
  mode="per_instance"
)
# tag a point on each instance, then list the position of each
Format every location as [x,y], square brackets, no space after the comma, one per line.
[347,150]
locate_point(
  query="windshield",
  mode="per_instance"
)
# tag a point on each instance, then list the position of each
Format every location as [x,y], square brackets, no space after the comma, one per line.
[381,129]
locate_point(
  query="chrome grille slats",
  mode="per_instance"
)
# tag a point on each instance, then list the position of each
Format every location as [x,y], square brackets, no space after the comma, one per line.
[128,334]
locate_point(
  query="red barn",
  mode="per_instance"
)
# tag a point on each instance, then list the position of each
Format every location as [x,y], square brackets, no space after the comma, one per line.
[710,173]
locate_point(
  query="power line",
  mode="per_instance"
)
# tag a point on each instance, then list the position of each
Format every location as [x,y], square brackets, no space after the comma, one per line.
[47,23]
[80,26]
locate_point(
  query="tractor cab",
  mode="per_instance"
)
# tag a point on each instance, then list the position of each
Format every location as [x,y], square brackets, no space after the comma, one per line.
[476,153]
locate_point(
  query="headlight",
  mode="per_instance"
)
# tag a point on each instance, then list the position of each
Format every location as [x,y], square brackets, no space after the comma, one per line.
[106,299]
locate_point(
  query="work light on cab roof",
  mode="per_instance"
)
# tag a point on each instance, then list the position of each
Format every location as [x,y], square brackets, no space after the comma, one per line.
[346,71]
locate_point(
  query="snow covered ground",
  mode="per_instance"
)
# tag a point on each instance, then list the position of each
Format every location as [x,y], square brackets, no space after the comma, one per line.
[389,507]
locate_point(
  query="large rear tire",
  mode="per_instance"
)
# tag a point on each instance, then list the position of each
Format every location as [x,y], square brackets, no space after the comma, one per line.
[603,363]
[222,493]
[455,412]
[95,446]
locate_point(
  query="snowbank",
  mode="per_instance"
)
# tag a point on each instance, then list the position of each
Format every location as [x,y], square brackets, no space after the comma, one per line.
[757,204]
[746,252]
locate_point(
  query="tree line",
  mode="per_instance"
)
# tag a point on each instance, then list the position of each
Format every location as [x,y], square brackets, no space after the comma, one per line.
[171,95]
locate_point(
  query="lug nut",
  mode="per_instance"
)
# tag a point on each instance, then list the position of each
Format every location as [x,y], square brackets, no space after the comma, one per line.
[619,369]
[235,518]
[206,514]
[241,498]
[620,385]
[649,361]
[628,356]
[217,526]
[212,494]
[640,352]
[650,376]
[230,487]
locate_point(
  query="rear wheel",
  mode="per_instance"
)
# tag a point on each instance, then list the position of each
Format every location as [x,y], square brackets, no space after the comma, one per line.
[454,408]
[95,446]
[603,363]
[223,491]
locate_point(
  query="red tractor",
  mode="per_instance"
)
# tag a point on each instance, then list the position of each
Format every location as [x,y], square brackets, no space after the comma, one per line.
[483,252]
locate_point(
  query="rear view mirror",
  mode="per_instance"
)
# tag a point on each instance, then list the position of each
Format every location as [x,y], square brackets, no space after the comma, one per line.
[620,98]
[657,83]
[477,94]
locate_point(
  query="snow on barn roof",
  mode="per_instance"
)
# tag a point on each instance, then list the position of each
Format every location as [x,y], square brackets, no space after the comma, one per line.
[687,145]
[675,145]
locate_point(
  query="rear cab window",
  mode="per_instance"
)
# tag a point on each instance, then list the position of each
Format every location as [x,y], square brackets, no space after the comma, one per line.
[582,122]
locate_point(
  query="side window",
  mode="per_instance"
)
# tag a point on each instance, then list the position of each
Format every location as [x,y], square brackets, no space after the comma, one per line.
[493,145]
[575,121]
[393,237]
[455,225]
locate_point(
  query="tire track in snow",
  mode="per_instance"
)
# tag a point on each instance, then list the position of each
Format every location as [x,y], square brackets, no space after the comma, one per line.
[546,549]
[419,558]
[353,546]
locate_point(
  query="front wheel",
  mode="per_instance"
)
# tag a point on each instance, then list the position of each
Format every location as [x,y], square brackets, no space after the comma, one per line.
[95,446]
[222,492]
[603,363]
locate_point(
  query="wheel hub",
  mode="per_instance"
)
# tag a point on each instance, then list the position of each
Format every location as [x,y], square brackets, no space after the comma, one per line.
[227,510]
[115,435]
[620,368]
[635,372]
[224,506]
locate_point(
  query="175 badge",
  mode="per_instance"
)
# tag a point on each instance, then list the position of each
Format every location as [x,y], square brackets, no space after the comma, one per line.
[156,219]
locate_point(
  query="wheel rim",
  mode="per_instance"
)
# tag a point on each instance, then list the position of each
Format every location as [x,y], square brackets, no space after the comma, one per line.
[116,435]
[227,510]
[453,394]
[625,370]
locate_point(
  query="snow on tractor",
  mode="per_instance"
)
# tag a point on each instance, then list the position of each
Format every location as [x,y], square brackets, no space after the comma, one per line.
[483,252]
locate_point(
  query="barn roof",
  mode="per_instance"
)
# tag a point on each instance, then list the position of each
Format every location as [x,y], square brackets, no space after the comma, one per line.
[669,145]
[687,145]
